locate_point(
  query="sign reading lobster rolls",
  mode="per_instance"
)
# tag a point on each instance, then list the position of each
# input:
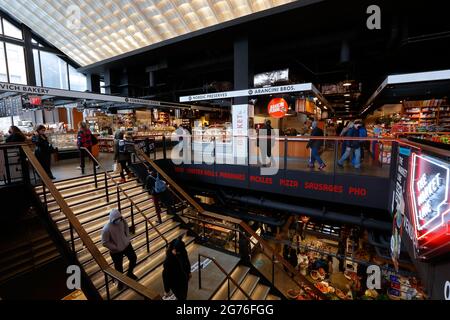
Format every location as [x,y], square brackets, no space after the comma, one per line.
[277,108]
[430,204]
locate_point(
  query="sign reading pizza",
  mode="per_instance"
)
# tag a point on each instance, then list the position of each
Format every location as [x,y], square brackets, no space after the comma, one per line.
[430,205]
[277,108]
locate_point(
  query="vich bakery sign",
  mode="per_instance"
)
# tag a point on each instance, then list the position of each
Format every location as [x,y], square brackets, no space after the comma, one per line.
[430,208]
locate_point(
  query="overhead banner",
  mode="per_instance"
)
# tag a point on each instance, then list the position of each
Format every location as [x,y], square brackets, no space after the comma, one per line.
[249,92]
[270,78]
[9,87]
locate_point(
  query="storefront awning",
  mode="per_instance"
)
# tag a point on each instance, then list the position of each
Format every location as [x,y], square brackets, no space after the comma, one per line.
[410,86]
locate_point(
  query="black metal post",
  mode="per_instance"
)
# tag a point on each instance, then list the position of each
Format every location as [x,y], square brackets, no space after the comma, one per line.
[72,239]
[336,149]
[164,147]
[235,239]
[108,297]
[95,172]
[118,199]
[8,173]
[285,152]
[45,198]
[106,188]
[228,282]
[24,167]
[199,273]
[132,220]
[146,236]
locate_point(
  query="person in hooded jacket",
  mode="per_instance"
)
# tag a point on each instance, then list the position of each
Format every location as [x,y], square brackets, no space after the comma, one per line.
[177,270]
[116,237]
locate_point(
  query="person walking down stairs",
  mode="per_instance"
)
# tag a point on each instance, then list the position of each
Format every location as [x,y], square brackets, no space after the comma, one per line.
[177,270]
[116,237]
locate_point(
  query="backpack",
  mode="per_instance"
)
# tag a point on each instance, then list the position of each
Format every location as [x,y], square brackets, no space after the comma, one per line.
[160,185]
[125,146]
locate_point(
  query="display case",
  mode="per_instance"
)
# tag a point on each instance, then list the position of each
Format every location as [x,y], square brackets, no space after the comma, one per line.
[63,141]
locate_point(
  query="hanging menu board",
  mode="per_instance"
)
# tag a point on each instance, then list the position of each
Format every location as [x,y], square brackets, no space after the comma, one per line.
[11,107]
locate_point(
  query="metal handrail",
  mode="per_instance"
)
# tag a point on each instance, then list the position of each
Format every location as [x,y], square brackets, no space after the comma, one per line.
[83,235]
[143,161]
[244,225]
[263,244]
[227,275]
[171,182]
[126,195]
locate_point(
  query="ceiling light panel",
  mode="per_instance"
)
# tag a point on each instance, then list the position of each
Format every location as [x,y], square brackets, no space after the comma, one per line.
[105,29]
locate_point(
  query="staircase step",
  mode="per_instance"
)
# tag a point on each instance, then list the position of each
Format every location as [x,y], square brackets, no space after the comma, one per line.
[272,297]
[238,274]
[76,182]
[102,211]
[147,266]
[87,194]
[248,285]
[148,278]
[138,240]
[94,203]
[96,234]
[260,293]
[157,244]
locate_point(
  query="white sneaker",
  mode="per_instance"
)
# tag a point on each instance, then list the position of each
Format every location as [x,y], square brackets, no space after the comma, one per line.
[79,168]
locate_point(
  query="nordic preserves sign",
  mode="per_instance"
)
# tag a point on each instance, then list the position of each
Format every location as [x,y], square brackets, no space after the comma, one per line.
[249,92]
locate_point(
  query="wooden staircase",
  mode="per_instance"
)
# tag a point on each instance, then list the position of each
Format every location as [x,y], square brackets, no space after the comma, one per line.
[91,207]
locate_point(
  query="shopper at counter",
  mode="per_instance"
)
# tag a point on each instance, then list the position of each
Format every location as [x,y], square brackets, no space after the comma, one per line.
[15,135]
[43,150]
[84,140]
[315,145]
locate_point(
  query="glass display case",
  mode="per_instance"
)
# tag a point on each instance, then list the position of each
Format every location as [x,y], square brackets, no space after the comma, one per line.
[63,141]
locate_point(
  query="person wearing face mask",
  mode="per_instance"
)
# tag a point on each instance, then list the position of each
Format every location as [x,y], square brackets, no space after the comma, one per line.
[116,237]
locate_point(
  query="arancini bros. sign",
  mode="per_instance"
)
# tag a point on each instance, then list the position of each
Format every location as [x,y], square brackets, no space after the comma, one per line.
[277,108]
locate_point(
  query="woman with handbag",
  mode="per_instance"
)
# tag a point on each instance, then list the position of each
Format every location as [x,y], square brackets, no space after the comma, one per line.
[43,150]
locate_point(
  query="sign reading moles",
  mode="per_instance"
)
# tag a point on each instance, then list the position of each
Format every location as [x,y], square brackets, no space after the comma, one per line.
[430,206]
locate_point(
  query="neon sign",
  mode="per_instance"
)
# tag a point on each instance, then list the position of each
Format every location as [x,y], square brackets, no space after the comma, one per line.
[429,192]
